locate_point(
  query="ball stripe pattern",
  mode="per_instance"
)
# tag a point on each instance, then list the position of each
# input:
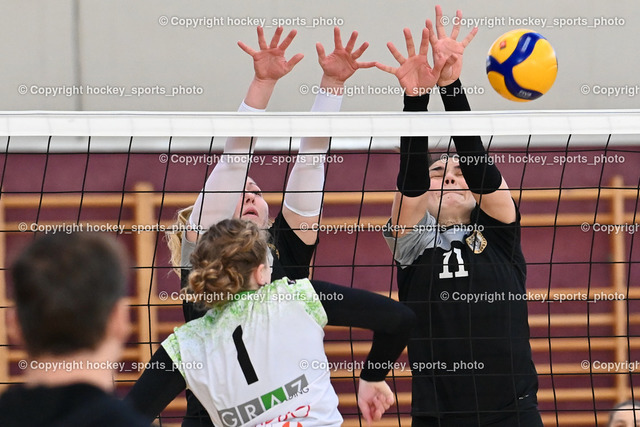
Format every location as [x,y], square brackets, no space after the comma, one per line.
[523,50]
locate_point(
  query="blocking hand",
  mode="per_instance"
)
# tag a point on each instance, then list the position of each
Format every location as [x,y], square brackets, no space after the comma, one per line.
[414,74]
[269,62]
[448,46]
[342,62]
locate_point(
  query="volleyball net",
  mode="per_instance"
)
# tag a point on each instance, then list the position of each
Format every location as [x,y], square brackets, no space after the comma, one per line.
[573,174]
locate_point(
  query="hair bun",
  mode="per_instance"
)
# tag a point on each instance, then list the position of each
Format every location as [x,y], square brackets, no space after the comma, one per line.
[225,258]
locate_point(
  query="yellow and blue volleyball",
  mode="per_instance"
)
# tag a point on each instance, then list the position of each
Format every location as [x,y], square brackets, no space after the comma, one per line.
[522,65]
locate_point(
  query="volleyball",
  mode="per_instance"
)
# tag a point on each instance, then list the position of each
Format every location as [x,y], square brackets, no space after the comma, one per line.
[522,65]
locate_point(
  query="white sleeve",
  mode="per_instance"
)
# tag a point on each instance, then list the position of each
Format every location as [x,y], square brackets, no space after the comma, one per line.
[304,188]
[223,189]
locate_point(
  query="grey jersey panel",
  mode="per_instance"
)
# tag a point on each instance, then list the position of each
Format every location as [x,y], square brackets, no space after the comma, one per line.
[424,235]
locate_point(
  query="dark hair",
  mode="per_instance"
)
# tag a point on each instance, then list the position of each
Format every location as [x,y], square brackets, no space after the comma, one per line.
[634,406]
[66,286]
[224,259]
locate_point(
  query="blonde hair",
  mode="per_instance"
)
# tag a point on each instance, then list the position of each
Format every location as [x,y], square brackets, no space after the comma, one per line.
[174,237]
[224,260]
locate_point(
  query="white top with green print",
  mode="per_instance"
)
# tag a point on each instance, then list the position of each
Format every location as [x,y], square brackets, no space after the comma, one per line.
[259,360]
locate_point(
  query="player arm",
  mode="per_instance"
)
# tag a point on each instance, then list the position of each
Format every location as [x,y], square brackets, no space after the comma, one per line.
[481,174]
[416,77]
[158,385]
[390,321]
[412,182]
[223,188]
[303,196]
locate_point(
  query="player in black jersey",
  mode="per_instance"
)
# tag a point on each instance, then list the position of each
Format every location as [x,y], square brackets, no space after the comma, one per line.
[230,193]
[456,241]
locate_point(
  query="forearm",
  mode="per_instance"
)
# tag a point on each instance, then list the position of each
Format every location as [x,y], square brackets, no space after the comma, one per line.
[224,186]
[332,85]
[390,321]
[479,171]
[259,93]
[413,175]
[157,386]
[306,182]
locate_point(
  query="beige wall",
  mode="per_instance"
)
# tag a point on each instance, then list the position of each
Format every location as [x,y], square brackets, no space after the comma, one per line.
[122,43]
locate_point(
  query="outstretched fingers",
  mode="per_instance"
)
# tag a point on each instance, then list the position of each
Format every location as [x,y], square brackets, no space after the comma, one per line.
[337,38]
[262,43]
[433,38]
[287,41]
[293,61]
[366,64]
[411,49]
[352,41]
[396,53]
[469,37]
[439,25]
[386,68]
[358,53]
[321,52]
[276,38]
[440,32]
[456,25]
[424,43]
[246,48]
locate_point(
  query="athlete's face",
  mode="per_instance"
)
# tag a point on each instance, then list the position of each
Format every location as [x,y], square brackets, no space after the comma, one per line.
[624,417]
[448,192]
[253,207]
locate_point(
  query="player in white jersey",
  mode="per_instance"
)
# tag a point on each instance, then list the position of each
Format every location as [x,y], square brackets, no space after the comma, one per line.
[256,358]
[229,191]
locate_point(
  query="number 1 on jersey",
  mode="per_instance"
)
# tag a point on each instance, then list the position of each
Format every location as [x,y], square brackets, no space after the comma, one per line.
[446,274]
[243,357]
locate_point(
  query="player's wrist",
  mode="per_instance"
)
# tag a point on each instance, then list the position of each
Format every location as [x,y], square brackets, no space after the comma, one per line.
[263,82]
[370,381]
[449,86]
[413,92]
[369,376]
[259,93]
[332,85]
[416,103]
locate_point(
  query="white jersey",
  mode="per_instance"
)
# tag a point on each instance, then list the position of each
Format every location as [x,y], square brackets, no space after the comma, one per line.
[259,360]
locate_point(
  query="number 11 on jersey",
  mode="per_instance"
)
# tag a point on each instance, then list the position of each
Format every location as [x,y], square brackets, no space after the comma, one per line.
[446,274]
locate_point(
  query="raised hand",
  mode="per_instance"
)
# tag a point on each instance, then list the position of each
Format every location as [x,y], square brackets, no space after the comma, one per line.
[269,62]
[342,62]
[415,74]
[448,46]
